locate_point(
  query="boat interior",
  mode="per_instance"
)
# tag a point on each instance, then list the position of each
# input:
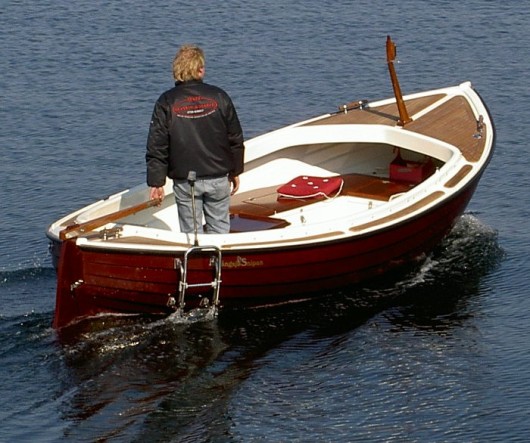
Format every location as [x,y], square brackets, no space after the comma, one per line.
[375,167]
[364,169]
[370,174]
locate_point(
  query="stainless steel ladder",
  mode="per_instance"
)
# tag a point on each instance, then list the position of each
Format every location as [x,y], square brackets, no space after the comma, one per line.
[215,261]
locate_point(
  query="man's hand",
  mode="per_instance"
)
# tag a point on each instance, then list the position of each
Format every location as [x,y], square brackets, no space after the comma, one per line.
[235,184]
[156,193]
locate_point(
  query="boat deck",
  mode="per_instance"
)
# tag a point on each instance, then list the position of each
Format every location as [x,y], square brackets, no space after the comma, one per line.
[453,122]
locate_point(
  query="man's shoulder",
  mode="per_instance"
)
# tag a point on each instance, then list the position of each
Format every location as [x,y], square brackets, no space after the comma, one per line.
[193,87]
[166,96]
[214,89]
[183,91]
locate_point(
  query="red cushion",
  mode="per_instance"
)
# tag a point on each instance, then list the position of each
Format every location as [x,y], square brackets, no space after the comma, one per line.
[306,186]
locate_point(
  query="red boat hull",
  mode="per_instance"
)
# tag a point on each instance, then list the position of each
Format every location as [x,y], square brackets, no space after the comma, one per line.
[93,281]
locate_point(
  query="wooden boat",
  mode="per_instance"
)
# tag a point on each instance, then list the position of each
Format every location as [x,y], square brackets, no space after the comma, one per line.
[324,203]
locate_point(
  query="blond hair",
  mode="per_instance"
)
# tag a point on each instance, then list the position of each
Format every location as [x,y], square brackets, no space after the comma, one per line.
[188,63]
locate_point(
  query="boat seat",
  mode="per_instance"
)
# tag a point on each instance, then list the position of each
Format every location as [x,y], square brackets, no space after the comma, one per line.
[264,202]
[306,186]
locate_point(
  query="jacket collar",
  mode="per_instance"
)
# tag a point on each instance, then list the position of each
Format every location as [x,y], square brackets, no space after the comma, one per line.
[188,82]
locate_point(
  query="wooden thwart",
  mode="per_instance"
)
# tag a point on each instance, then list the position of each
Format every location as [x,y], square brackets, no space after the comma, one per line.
[77,229]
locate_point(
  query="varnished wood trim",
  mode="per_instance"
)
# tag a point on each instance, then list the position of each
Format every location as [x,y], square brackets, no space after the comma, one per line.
[136,240]
[459,176]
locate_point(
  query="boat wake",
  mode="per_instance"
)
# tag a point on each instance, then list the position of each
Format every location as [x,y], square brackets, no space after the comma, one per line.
[470,249]
[112,332]
[469,252]
[439,294]
[196,315]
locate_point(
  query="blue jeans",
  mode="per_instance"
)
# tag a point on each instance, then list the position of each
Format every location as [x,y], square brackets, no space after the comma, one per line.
[212,198]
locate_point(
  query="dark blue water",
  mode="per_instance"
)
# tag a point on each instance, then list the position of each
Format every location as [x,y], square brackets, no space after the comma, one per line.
[438,355]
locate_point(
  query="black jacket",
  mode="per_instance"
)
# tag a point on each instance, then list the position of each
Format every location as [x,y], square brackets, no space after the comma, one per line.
[194,127]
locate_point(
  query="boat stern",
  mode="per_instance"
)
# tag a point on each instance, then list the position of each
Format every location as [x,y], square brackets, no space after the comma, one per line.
[69,279]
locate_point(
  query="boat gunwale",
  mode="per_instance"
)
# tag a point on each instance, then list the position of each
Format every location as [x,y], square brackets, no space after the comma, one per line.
[434,201]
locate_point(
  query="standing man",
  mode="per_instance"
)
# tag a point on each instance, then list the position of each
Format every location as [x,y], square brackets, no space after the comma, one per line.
[195,127]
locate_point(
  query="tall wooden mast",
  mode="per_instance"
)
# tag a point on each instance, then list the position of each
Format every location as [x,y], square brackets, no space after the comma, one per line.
[390,57]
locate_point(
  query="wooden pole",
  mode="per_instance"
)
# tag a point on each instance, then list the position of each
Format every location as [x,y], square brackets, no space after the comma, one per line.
[390,57]
[78,229]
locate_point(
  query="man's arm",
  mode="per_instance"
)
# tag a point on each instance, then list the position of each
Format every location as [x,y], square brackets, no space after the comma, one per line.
[234,180]
[157,152]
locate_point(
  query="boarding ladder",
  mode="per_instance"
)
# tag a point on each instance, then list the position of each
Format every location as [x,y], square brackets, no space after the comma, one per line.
[215,261]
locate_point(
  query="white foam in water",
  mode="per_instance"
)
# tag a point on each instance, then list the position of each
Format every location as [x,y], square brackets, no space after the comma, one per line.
[193,316]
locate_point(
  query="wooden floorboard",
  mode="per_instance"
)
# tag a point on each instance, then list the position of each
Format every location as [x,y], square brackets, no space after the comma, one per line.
[265,202]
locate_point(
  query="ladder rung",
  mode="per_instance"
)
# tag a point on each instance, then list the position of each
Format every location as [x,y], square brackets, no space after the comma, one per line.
[213,284]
